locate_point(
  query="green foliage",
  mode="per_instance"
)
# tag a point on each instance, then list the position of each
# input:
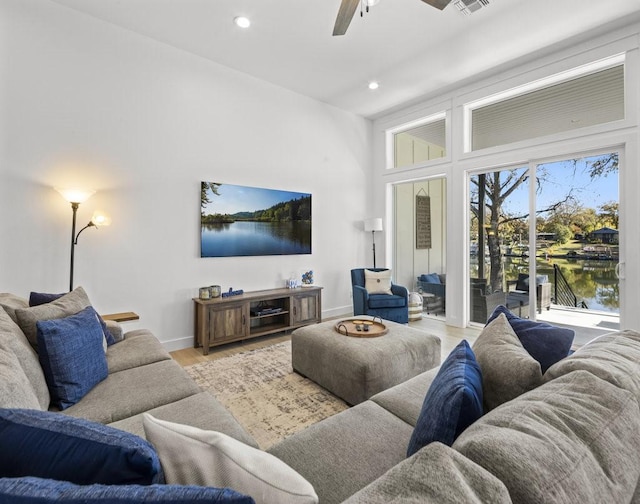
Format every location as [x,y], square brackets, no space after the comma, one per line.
[490,191]
[217,219]
[204,197]
[286,211]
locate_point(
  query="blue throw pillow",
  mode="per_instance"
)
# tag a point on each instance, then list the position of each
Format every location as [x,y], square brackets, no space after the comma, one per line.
[56,446]
[40,298]
[71,355]
[43,491]
[545,343]
[453,401]
[431,278]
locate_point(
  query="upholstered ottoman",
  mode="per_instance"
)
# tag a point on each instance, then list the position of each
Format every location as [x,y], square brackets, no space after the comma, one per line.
[355,368]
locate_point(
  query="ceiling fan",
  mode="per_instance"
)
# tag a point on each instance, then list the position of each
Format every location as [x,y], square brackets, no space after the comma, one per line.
[348,9]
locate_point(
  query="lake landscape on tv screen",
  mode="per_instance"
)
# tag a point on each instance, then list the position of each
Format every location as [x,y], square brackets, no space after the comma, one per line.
[250,221]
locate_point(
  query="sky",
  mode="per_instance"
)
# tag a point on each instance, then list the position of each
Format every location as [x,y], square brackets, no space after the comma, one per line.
[590,192]
[235,198]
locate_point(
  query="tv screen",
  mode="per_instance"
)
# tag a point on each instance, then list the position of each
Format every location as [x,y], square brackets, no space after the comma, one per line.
[251,221]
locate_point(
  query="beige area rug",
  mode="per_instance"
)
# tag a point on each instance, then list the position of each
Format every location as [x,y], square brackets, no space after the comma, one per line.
[261,390]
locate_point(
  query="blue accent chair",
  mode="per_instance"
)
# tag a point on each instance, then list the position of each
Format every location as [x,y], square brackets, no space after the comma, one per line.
[394,307]
[434,284]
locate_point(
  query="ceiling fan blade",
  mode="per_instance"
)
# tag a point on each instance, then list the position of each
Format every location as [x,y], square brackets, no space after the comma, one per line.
[345,14]
[438,4]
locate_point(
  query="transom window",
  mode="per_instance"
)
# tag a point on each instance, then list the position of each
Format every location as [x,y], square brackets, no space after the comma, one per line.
[420,143]
[547,107]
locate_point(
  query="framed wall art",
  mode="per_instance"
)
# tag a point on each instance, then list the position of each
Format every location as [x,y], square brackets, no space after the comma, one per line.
[250,221]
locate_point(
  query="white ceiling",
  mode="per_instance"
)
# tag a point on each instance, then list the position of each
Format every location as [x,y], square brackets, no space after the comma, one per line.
[412,49]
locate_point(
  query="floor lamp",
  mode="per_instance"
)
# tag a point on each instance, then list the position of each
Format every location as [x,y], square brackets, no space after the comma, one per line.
[373,225]
[75,197]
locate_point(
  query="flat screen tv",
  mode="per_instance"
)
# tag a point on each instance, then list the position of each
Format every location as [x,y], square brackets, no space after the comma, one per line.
[251,221]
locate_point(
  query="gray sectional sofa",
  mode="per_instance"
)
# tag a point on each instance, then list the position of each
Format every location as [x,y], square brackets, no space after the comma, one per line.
[570,435]
[142,378]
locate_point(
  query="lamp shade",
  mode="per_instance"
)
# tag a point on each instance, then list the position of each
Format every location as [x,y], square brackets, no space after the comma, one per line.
[100,218]
[75,195]
[374,224]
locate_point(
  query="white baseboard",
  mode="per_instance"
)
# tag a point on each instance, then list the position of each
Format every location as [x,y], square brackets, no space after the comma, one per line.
[342,311]
[178,344]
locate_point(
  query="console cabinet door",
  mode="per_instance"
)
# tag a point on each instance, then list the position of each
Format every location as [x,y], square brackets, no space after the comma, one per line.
[228,322]
[305,308]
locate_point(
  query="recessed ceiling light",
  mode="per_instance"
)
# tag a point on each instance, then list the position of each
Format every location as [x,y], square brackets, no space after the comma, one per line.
[242,21]
[374,85]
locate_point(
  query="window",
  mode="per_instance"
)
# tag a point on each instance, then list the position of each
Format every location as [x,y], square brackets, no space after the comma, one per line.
[420,143]
[592,98]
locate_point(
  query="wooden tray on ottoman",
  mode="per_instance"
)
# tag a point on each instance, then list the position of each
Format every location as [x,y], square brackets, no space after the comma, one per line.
[358,327]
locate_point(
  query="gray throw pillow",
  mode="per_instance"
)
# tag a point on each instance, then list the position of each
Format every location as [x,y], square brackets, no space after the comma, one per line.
[508,370]
[16,390]
[69,304]
[13,339]
[11,302]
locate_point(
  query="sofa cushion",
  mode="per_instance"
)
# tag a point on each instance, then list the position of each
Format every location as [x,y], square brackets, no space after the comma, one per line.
[13,340]
[386,301]
[436,474]
[139,348]
[192,456]
[11,303]
[72,356]
[200,410]
[133,391]
[338,456]
[51,445]
[508,370]
[574,439]
[69,304]
[377,282]
[16,390]
[44,491]
[405,400]
[613,357]
[453,401]
[546,343]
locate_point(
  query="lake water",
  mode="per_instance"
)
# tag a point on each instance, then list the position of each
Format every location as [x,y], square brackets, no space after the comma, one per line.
[255,238]
[595,282]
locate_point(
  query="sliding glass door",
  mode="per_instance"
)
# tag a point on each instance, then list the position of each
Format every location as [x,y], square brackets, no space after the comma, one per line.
[499,233]
[556,222]
[577,243]
[420,236]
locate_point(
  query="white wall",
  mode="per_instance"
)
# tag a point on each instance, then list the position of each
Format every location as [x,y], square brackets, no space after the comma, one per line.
[84,103]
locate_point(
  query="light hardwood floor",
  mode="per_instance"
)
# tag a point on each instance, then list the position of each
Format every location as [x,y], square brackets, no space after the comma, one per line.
[450,337]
